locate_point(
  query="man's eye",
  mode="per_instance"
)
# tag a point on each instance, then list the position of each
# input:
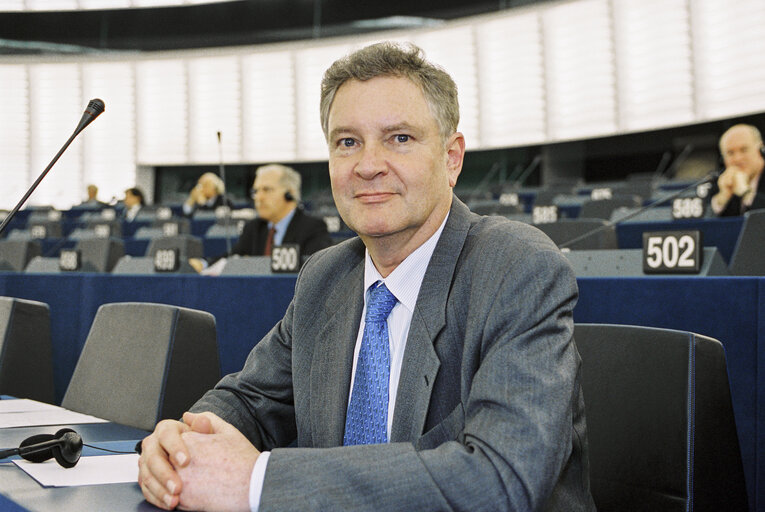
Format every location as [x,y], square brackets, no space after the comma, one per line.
[347,142]
[402,138]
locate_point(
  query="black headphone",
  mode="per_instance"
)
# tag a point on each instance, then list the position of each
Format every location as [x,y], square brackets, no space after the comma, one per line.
[65,446]
[288,196]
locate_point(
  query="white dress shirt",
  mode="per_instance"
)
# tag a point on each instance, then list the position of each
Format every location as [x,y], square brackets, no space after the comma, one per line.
[404,283]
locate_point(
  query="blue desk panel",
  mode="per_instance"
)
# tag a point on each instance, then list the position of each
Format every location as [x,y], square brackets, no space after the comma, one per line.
[730,309]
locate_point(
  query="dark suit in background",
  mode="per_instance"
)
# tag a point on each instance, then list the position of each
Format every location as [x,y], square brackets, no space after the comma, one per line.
[308,232]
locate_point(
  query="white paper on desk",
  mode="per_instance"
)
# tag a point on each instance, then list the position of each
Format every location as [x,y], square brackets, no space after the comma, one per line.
[100,469]
[215,269]
[46,416]
[24,405]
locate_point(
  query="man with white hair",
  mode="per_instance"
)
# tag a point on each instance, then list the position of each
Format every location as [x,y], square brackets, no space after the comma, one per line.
[208,194]
[739,187]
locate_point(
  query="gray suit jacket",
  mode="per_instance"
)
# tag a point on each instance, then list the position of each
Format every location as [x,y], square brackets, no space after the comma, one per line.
[489,413]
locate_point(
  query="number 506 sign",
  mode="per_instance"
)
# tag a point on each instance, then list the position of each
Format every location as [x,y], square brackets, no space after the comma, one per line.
[672,252]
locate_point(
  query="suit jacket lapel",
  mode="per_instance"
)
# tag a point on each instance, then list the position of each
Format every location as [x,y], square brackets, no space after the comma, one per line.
[420,360]
[332,361]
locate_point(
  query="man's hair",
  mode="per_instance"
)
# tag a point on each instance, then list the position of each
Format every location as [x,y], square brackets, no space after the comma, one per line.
[395,60]
[220,187]
[135,191]
[752,129]
[289,178]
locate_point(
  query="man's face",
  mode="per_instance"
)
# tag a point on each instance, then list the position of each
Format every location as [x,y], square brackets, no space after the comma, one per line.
[391,173]
[741,149]
[208,187]
[269,197]
[131,200]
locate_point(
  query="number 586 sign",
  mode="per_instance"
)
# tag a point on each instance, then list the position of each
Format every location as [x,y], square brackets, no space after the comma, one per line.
[672,252]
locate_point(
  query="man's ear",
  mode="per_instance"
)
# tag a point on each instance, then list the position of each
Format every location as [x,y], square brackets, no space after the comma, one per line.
[455,155]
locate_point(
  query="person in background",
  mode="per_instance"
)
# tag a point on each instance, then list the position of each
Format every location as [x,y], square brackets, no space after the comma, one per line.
[276,192]
[134,201]
[208,194]
[92,199]
[427,364]
[740,186]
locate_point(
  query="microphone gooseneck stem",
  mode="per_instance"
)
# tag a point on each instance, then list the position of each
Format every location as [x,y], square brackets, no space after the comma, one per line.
[37,182]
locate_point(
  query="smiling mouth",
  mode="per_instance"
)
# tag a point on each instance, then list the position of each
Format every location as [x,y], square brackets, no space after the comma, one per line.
[373,197]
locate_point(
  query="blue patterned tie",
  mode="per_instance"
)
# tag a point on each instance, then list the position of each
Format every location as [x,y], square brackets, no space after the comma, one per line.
[367,418]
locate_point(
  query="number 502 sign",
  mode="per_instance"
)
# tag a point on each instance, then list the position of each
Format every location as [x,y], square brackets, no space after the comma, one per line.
[672,252]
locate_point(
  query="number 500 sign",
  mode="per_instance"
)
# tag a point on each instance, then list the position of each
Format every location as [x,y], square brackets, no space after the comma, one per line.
[672,252]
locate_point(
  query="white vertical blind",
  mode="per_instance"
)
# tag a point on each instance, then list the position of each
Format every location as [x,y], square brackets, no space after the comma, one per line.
[268,107]
[162,111]
[310,65]
[653,43]
[109,142]
[14,134]
[51,5]
[454,50]
[56,108]
[580,70]
[214,106]
[539,74]
[511,77]
[729,44]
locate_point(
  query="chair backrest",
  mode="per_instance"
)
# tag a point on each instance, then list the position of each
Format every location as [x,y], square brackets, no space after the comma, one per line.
[100,254]
[26,361]
[629,262]
[188,246]
[747,258]
[660,423]
[143,363]
[602,209]
[565,230]
[16,254]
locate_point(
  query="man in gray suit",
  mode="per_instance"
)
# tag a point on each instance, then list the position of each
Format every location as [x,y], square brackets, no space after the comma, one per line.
[476,404]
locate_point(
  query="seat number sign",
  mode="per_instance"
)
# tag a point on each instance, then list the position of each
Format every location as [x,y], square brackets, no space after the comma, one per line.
[285,258]
[672,252]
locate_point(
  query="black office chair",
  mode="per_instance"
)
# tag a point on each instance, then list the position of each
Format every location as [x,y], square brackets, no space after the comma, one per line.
[659,420]
[26,361]
[747,258]
[143,363]
[565,230]
[602,209]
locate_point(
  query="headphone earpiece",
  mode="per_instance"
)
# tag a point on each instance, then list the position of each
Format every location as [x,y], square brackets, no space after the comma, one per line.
[288,196]
[66,452]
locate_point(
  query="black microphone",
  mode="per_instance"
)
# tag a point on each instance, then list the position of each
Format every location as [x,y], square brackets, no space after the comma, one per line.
[65,446]
[94,109]
[227,218]
[710,176]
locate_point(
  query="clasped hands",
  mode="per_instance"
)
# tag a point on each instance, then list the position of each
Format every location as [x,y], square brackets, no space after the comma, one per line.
[733,181]
[201,463]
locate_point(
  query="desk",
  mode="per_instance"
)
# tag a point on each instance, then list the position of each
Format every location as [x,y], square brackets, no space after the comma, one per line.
[20,492]
[730,309]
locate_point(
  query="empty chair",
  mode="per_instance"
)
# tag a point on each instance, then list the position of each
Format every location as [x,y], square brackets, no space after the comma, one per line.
[100,254]
[26,361]
[747,258]
[591,233]
[660,423]
[143,362]
[15,255]
[188,246]
[602,209]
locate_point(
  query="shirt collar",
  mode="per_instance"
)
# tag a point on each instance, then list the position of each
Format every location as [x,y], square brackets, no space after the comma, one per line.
[405,280]
[281,226]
